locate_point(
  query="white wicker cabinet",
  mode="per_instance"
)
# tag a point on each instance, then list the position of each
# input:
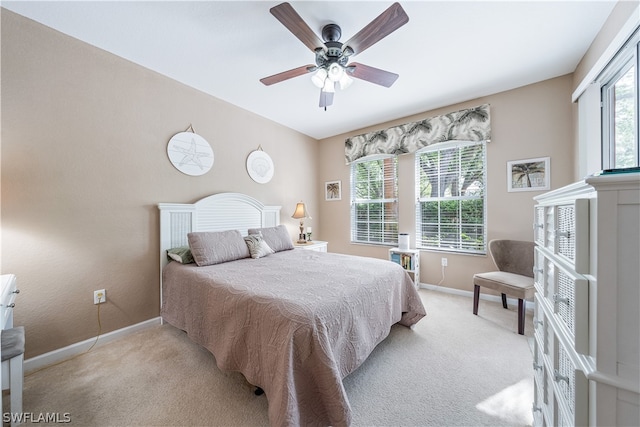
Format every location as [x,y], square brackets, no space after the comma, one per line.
[587,277]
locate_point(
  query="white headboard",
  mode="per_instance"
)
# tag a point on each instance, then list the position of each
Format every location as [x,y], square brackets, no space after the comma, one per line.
[218,212]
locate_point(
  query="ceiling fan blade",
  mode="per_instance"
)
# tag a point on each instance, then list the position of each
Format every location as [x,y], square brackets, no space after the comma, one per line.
[371,74]
[386,23]
[294,23]
[326,99]
[286,75]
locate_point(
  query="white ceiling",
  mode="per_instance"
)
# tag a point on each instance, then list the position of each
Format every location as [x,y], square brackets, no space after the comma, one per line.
[448,52]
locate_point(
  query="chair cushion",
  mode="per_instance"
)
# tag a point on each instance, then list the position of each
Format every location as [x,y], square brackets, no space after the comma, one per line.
[512,284]
[12,342]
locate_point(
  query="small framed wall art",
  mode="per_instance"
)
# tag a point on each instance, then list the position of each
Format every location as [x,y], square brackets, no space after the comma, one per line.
[529,174]
[333,190]
[190,153]
[260,166]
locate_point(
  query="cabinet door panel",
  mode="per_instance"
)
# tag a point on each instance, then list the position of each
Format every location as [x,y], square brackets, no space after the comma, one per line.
[539,215]
[572,233]
[571,304]
[571,390]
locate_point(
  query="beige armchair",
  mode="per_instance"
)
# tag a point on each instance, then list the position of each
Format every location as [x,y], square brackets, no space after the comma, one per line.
[514,259]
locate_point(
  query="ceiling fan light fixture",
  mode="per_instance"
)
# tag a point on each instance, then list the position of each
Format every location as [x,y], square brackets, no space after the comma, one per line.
[319,77]
[332,56]
[329,86]
[345,81]
[335,72]
[347,51]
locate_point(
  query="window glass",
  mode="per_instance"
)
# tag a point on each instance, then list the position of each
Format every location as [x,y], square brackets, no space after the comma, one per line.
[625,120]
[619,82]
[374,201]
[450,187]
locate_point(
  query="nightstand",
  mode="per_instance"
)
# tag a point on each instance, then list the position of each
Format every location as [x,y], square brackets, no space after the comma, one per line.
[409,259]
[314,245]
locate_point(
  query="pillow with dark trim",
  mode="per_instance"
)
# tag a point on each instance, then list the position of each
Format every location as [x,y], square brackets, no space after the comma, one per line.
[216,247]
[258,248]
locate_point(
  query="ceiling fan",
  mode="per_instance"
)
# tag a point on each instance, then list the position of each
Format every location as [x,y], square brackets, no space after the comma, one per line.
[332,67]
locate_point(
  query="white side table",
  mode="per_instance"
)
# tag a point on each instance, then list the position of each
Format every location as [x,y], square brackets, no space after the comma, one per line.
[314,245]
[8,294]
[409,259]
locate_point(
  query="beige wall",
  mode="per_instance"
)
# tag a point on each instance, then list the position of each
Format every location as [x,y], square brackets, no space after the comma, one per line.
[624,11]
[532,121]
[84,164]
[619,26]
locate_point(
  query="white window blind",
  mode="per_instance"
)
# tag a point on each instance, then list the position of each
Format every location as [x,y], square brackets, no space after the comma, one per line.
[450,192]
[374,201]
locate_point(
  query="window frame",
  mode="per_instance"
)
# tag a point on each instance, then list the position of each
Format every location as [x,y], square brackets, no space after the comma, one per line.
[389,238]
[627,57]
[419,200]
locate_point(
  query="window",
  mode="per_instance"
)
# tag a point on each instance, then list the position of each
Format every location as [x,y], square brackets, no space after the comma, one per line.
[620,148]
[450,192]
[374,201]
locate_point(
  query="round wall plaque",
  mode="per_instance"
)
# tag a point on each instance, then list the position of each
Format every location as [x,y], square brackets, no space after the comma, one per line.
[190,153]
[260,166]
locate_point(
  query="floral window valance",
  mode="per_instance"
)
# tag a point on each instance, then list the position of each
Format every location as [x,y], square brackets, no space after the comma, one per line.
[473,124]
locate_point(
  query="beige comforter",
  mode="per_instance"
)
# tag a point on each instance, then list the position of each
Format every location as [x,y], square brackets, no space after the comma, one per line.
[294,323]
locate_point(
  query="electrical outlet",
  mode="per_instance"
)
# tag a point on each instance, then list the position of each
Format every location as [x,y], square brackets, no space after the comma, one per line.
[444,262]
[99,296]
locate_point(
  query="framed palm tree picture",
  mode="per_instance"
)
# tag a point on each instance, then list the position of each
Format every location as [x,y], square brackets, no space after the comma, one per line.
[333,190]
[529,174]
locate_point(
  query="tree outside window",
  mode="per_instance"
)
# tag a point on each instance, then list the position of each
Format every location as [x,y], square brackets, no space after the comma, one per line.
[374,210]
[450,212]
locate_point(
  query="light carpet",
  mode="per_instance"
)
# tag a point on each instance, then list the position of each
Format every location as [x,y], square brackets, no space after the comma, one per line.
[452,369]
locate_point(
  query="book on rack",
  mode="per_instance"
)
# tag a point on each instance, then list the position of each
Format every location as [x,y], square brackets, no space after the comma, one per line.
[395,257]
[406,261]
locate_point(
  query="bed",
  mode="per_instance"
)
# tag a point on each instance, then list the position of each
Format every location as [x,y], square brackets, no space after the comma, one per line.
[293,322]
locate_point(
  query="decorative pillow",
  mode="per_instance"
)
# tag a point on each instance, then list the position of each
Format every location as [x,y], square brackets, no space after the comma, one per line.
[258,248]
[181,254]
[277,238]
[215,247]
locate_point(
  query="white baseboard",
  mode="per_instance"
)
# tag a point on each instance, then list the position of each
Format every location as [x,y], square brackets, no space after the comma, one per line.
[72,350]
[487,297]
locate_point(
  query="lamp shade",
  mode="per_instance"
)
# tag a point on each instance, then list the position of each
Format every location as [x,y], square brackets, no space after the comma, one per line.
[300,212]
[329,86]
[345,81]
[319,77]
[335,72]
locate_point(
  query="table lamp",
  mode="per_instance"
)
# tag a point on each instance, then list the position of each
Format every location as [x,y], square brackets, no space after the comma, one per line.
[301,213]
